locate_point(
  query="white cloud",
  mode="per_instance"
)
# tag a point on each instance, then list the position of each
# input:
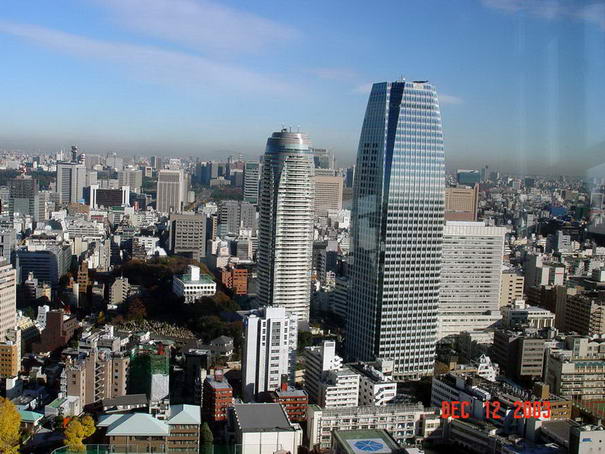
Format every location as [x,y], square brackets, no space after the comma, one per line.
[199,24]
[334,73]
[590,11]
[449,99]
[151,63]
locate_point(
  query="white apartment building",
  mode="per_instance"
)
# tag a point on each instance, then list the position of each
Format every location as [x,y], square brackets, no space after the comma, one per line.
[319,360]
[8,298]
[375,386]
[269,350]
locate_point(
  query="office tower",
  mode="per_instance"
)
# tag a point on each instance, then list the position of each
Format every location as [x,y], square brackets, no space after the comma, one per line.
[251,180]
[461,203]
[113,162]
[155,162]
[269,350]
[171,191]
[285,238]
[469,298]
[24,196]
[468,177]
[397,228]
[328,194]
[132,178]
[8,298]
[71,178]
[48,263]
[234,215]
[188,235]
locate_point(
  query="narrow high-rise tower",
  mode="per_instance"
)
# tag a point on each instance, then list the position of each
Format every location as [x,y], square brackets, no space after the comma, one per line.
[397,229]
[285,227]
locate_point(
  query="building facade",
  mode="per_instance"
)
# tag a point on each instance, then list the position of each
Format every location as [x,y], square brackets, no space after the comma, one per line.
[269,350]
[469,297]
[398,207]
[285,238]
[171,191]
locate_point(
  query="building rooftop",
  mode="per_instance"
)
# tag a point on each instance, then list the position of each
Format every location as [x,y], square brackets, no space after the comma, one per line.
[185,414]
[368,440]
[30,416]
[128,399]
[262,418]
[134,424]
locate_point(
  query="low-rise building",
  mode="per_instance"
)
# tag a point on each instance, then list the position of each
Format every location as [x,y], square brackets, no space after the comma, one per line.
[141,432]
[375,386]
[361,441]
[217,397]
[193,285]
[263,428]
[294,401]
[404,423]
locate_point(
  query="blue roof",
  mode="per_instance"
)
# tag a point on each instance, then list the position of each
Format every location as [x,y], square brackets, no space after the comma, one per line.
[134,424]
[30,416]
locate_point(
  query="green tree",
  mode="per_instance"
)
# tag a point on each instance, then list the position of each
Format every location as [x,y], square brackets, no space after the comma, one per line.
[207,439]
[10,421]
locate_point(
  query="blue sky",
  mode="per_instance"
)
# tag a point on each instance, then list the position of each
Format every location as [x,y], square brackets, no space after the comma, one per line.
[520,81]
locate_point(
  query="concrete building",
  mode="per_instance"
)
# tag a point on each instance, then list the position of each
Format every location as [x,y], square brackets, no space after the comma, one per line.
[8,298]
[519,314]
[217,397]
[585,314]
[318,361]
[171,191]
[358,441]
[520,354]
[577,371]
[263,429]
[98,375]
[376,386]
[405,423]
[469,297]
[47,262]
[294,401]
[285,237]
[71,181]
[328,193]
[235,279]
[188,235]
[461,203]
[269,350]
[193,285]
[58,330]
[24,197]
[97,197]
[511,287]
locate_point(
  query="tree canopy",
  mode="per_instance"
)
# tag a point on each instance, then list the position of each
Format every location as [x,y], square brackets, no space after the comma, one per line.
[10,422]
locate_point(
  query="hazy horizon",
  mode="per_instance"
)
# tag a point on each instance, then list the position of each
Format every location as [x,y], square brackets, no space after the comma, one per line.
[519,81]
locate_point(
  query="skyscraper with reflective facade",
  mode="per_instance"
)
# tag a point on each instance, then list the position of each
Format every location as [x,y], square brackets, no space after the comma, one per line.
[397,229]
[285,226]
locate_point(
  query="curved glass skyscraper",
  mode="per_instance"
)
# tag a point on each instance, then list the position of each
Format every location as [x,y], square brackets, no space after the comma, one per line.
[285,226]
[397,229]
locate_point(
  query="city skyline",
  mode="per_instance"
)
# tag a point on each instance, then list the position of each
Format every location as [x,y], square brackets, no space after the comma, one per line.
[112,76]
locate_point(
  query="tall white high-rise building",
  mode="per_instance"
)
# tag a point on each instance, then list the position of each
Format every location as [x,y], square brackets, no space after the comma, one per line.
[269,350]
[397,228]
[71,181]
[285,227]
[172,191]
[471,272]
[8,298]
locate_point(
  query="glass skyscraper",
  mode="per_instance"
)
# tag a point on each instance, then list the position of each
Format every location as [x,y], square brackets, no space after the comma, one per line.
[397,230]
[285,225]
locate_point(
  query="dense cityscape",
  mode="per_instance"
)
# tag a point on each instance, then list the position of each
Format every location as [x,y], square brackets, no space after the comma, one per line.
[285,304]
